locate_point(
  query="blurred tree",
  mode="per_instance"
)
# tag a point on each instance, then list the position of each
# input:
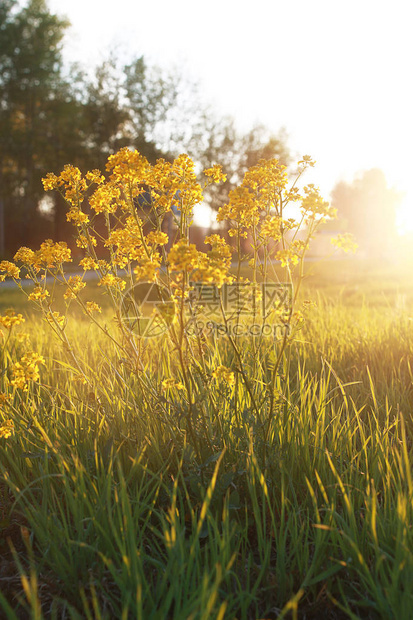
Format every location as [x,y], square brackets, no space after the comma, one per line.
[166,111]
[31,101]
[105,114]
[223,144]
[151,95]
[49,118]
[369,206]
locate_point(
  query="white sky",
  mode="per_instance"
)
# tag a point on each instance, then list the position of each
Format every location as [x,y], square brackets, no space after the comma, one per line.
[335,74]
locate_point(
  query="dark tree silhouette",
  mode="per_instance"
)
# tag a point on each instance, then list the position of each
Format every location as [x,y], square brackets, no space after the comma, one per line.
[32,101]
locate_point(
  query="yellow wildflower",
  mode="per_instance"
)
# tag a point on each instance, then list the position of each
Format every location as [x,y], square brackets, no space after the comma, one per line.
[77,216]
[184,165]
[91,306]
[4,398]
[52,254]
[190,191]
[213,267]
[128,241]
[312,203]
[75,186]
[95,176]
[170,384]
[83,242]
[156,237]
[128,167]
[292,254]
[183,256]
[7,429]
[242,208]
[259,190]
[75,284]
[148,267]
[38,293]
[11,319]
[56,317]
[215,173]
[222,373]
[271,228]
[10,269]
[105,198]
[25,256]
[50,181]
[110,280]
[69,181]
[164,184]
[345,242]
[307,161]
[27,369]
[88,263]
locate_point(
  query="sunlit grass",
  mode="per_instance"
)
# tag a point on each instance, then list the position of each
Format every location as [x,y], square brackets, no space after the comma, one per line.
[122,520]
[203,473]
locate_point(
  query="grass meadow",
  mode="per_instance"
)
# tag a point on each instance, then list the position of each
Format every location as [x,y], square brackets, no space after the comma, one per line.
[111,509]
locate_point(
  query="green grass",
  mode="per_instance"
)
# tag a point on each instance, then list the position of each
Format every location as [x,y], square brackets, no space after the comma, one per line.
[111,509]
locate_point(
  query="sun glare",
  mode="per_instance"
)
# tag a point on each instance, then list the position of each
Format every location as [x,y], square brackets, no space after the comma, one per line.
[404,219]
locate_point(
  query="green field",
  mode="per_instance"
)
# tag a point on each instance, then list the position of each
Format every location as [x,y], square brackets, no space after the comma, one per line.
[119,500]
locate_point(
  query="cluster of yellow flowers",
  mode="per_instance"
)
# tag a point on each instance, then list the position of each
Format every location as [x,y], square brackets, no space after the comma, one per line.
[128,168]
[157,237]
[170,384]
[77,216]
[272,228]
[126,213]
[128,242]
[224,374]
[4,398]
[215,174]
[53,254]
[293,254]
[112,281]
[92,306]
[213,267]
[105,198]
[75,284]
[313,205]
[130,176]
[88,263]
[210,267]
[39,293]
[71,184]
[133,185]
[345,242]
[49,255]
[8,269]
[259,192]
[183,256]
[6,429]
[83,241]
[27,369]
[11,319]
[55,318]
[26,256]
[148,267]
